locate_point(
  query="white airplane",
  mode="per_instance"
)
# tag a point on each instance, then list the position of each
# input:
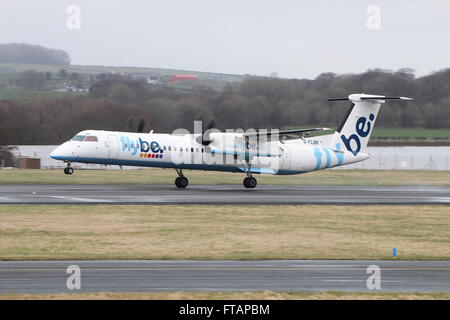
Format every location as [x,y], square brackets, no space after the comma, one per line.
[271,152]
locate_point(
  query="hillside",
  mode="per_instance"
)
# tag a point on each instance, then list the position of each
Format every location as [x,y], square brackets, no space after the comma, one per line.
[28,71]
[93,69]
[34,54]
[86,76]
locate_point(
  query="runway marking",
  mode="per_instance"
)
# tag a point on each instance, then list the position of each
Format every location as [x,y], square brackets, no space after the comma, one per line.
[230,269]
[355,280]
[441,199]
[81,199]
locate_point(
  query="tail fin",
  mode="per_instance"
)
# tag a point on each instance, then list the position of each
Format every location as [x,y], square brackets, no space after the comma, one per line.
[355,129]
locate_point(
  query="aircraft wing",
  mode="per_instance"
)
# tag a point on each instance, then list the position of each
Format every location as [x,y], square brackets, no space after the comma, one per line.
[285,134]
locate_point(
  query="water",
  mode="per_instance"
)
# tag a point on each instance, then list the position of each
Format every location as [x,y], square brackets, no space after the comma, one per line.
[382,158]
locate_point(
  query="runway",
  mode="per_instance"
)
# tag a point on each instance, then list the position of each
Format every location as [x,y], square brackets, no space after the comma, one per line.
[223,275]
[221,194]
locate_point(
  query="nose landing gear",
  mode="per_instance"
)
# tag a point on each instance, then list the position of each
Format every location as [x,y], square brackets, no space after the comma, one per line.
[68,169]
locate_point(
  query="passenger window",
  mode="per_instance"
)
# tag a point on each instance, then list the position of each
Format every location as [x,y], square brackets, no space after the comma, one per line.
[169,148]
[192,149]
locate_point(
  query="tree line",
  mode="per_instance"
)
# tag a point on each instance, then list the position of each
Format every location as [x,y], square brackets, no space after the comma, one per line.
[118,102]
[33,54]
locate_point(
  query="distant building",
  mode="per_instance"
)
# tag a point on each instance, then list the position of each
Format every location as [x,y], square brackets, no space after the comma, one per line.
[152,81]
[182,77]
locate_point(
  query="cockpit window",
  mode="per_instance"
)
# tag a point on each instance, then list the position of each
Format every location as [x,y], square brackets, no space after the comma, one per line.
[91,138]
[78,138]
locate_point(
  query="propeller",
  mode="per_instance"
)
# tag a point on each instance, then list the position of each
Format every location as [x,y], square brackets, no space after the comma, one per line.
[204,138]
[131,124]
[141,125]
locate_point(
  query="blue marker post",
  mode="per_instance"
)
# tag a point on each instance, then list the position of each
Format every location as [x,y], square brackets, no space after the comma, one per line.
[394,253]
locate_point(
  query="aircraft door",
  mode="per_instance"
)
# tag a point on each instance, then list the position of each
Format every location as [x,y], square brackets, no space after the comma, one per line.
[286,157]
[112,146]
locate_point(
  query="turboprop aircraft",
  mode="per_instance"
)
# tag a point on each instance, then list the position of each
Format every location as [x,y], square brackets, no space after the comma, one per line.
[251,152]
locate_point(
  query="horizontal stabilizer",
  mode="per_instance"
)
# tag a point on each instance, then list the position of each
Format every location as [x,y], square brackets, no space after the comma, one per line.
[361,97]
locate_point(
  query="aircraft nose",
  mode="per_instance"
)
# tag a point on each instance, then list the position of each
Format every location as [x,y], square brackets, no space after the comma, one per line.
[62,152]
[56,153]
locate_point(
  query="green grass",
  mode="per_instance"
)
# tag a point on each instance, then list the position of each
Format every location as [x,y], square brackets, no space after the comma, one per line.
[8,76]
[167,176]
[429,133]
[398,134]
[66,232]
[412,134]
[94,69]
[205,78]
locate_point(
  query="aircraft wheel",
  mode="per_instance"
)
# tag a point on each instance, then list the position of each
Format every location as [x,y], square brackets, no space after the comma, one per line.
[250,183]
[68,170]
[181,182]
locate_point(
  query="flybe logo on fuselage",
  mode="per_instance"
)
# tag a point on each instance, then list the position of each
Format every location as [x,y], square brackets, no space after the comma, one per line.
[144,148]
[362,127]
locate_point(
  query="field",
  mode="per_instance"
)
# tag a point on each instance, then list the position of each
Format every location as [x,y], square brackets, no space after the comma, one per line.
[167,176]
[93,69]
[310,232]
[215,81]
[382,134]
[223,232]
[257,295]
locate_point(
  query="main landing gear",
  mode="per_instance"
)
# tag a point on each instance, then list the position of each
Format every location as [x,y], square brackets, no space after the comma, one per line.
[250,182]
[68,169]
[181,181]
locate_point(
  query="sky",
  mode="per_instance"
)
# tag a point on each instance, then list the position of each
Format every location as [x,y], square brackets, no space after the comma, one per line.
[295,39]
